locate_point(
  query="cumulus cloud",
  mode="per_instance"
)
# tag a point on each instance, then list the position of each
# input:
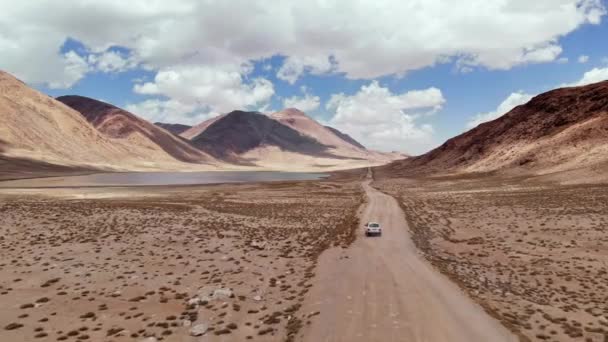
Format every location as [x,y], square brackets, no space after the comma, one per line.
[74,68]
[383,120]
[205,91]
[592,76]
[294,67]
[583,59]
[305,103]
[363,39]
[512,101]
[111,61]
[169,111]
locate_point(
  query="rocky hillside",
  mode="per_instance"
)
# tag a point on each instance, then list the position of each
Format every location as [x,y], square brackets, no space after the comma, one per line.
[121,125]
[563,129]
[85,133]
[345,137]
[176,129]
[239,132]
[35,126]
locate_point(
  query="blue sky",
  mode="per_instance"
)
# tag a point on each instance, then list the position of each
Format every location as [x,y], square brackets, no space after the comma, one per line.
[408,92]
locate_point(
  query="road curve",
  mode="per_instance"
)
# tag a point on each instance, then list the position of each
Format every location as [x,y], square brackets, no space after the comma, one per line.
[381,289]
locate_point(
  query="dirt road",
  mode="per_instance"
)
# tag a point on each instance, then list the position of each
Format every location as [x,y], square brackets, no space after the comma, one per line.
[381,289]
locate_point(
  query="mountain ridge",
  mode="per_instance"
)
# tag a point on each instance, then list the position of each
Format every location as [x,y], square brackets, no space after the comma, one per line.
[561,129]
[118,123]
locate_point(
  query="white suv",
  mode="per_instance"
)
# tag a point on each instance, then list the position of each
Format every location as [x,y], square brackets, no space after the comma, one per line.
[373,229]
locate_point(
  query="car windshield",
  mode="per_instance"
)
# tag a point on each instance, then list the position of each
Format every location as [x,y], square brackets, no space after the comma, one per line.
[373,225]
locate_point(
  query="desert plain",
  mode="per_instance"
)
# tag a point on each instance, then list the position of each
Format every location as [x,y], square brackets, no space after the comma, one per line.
[257,261]
[124,264]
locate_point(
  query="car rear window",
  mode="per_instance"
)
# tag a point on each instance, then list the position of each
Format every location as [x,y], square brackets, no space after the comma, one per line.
[374,225]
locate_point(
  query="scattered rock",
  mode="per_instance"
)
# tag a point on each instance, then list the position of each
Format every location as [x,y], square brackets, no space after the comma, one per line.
[222,293]
[150,339]
[199,329]
[257,298]
[258,245]
[186,323]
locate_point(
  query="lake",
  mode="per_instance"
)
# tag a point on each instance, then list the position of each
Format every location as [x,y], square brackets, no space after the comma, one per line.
[161,178]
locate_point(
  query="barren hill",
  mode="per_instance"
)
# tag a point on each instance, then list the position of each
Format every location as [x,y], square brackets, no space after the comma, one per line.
[340,144]
[345,137]
[176,129]
[196,130]
[239,132]
[120,124]
[304,124]
[563,129]
[37,127]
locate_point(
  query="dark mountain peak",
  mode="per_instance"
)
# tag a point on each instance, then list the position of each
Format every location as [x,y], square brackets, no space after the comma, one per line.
[176,129]
[239,131]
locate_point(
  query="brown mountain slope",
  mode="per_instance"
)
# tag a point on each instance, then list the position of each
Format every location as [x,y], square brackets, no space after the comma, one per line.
[340,144]
[345,137]
[238,132]
[120,124]
[563,129]
[304,124]
[37,127]
[176,129]
[196,130]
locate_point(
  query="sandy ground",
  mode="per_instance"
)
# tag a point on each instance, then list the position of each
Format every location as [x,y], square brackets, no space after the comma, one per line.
[534,254]
[125,264]
[381,289]
[287,261]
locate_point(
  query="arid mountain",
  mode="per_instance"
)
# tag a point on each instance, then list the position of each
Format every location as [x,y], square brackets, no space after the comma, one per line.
[306,125]
[237,132]
[196,130]
[563,129]
[85,134]
[345,137]
[37,127]
[119,124]
[340,144]
[176,129]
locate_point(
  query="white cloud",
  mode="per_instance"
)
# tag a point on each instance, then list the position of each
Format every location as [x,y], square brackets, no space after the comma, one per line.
[111,61]
[197,92]
[74,68]
[583,59]
[386,121]
[294,67]
[169,111]
[512,101]
[592,76]
[306,103]
[365,39]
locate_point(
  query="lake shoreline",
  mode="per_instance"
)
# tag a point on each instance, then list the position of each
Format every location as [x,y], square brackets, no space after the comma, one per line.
[157,179]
